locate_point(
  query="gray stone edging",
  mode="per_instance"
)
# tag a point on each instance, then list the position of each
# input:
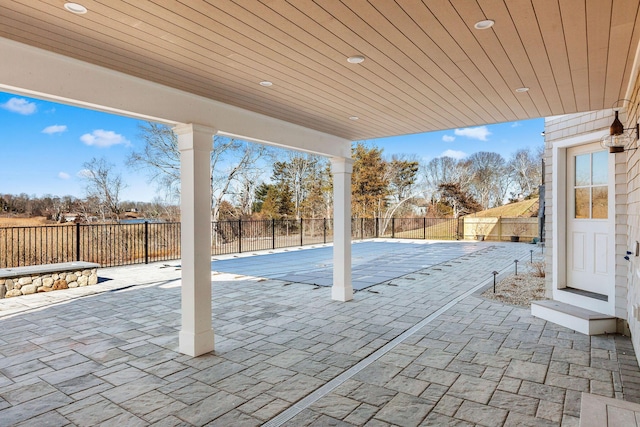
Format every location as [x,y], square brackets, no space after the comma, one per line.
[27,280]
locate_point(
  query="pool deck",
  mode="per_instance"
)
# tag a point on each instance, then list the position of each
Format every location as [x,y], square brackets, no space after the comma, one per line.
[422,349]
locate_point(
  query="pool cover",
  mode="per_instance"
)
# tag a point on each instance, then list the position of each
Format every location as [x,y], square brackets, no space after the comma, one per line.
[372,262]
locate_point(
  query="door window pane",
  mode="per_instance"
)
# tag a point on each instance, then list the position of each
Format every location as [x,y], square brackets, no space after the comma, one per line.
[599,168]
[591,185]
[583,170]
[600,197]
[582,202]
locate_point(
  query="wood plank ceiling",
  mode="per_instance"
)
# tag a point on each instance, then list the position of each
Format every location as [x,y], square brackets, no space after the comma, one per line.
[426,68]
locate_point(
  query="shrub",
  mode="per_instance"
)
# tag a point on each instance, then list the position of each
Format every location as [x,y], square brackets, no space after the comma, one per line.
[538,268]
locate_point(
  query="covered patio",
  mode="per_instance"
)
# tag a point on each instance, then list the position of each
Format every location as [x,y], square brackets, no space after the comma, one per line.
[315,76]
[434,353]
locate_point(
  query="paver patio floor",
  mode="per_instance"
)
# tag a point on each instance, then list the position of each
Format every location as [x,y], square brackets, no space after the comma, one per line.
[423,349]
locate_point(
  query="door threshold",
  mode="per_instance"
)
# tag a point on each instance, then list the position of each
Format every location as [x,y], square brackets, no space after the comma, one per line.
[588,294]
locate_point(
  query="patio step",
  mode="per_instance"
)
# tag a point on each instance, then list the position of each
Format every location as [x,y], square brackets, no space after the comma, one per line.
[579,319]
[600,411]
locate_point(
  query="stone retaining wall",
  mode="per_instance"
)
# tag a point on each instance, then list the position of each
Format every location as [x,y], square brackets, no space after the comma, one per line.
[31,283]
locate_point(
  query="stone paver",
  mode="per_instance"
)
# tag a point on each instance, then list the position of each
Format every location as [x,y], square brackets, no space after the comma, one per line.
[88,356]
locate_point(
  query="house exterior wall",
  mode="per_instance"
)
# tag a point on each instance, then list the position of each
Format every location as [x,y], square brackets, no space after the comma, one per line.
[630,270]
[563,132]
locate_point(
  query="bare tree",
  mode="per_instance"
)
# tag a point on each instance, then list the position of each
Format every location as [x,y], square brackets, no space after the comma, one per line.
[446,170]
[164,208]
[245,193]
[439,170]
[487,169]
[526,170]
[232,161]
[89,207]
[105,185]
[159,157]
[296,171]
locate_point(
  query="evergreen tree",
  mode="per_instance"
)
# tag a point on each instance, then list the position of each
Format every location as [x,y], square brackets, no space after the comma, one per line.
[460,201]
[261,195]
[269,207]
[369,183]
[278,203]
[286,204]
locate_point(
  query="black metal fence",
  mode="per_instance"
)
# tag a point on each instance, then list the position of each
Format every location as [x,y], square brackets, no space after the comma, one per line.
[107,244]
[245,236]
[123,244]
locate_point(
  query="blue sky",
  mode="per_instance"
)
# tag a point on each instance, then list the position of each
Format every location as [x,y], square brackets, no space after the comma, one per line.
[45,144]
[504,138]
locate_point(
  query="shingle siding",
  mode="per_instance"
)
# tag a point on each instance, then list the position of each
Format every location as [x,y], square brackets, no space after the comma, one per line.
[632,271]
[627,205]
[569,126]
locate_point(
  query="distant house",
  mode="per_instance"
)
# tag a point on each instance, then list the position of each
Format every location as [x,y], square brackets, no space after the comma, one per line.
[71,217]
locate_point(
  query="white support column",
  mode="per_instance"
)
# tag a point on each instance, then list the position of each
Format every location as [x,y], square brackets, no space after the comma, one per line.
[195,143]
[342,289]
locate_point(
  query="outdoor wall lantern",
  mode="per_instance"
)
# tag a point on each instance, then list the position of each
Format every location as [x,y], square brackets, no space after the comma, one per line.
[620,138]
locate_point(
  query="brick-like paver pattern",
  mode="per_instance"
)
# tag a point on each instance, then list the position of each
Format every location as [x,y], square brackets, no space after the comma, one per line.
[488,364]
[110,358]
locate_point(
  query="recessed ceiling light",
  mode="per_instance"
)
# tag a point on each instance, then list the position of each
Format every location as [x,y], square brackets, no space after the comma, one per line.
[483,25]
[356,59]
[75,8]
[354,118]
[522,89]
[266,83]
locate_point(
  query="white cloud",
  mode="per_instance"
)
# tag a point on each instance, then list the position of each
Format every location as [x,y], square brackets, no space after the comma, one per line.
[480,132]
[516,124]
[455,154]
[103,138]
[63,175]
[54,129]
[448,138]
[20,106]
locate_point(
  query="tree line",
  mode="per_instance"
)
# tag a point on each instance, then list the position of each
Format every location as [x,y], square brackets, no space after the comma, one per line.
[87,209]
[253,181]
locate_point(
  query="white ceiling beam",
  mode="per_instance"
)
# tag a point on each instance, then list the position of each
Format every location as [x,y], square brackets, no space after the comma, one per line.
[38,73]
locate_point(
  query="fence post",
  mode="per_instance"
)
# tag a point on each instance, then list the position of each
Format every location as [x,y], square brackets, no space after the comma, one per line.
[462,223]
[424,228]
[273,233]
[239,236]
[324,223]
[146,242]
[499,229]
[77,241]
[361,228]
[393,228]
[301,231]
[377,228]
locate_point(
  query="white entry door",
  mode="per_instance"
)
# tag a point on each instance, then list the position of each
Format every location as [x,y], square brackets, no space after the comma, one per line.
[589,236]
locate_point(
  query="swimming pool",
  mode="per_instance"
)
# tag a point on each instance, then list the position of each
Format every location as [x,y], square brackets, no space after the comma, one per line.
[372,262]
